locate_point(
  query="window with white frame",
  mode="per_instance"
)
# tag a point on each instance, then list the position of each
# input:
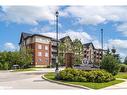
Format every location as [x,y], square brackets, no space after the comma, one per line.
[39,46]
[46,54]
[39,53]
[46,47]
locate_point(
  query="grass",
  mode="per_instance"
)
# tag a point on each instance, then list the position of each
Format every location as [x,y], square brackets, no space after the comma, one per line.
[121,75]
[86,84]
[21,70]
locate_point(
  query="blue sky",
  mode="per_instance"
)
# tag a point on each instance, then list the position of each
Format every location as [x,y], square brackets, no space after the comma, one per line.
[82,22]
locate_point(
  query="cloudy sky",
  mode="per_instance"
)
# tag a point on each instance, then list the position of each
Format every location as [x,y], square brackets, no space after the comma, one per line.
[82,22]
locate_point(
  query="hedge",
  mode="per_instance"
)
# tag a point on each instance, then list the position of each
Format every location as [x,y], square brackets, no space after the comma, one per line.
[123,68]
[76,75]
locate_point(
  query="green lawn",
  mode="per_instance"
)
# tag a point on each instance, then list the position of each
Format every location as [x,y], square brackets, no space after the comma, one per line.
[122,75]
[28,69]
[87,84]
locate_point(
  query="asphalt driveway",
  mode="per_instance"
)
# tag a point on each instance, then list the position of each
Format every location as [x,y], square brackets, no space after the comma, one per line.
[28,80]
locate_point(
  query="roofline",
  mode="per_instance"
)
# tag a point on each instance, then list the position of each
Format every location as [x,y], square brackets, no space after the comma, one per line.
[100,49]
[42,36]
[38,35]
[88,43]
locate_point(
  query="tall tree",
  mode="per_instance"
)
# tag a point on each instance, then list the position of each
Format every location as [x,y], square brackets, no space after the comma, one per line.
[65,46]
[26,57]
[62,50]
[78,51]
[22,58]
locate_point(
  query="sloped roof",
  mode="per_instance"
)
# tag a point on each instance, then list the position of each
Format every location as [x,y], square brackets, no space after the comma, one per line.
[24,35]
[27,35]
[88,44]
[66,37]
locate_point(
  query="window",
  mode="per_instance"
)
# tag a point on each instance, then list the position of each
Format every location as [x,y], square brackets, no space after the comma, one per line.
[46,60]
[46,54]
[39,60]
[39,46]
[32,54]
[39,53]
[46,47]
[32,60]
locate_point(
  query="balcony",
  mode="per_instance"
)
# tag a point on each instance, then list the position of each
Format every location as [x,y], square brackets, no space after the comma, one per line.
[54,50]
[53,57]
[54,43]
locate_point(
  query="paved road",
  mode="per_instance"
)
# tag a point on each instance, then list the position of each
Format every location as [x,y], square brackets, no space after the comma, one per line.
[28,80]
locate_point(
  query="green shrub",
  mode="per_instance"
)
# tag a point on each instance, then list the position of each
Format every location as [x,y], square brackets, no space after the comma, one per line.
[123,68]
[99,76]
[70,74]
[110,64]
[76,75]
[1,66]
[5,66]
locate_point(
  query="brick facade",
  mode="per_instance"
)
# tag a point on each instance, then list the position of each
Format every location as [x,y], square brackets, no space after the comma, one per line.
[42,48]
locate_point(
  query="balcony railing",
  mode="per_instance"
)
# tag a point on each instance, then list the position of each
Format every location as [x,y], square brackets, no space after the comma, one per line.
[54,50]
[54,44]
[53,56]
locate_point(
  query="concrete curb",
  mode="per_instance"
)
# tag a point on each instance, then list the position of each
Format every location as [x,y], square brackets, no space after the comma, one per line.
[121,79]
[67,84]
[115,84]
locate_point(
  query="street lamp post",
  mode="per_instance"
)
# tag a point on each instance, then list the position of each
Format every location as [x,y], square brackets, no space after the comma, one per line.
[102,41]
[57,14]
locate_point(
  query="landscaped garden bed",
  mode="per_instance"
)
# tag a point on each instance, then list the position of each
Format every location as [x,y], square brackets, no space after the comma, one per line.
[97,80]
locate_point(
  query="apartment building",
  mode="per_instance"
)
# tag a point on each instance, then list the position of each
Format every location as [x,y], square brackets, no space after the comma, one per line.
[91,54]
[44,48]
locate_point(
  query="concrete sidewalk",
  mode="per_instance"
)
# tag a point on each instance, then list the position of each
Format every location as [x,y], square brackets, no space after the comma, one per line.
[122,85]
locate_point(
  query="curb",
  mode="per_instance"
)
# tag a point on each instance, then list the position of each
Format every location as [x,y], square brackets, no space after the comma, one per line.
[121,79]
[66,84]
[115,84]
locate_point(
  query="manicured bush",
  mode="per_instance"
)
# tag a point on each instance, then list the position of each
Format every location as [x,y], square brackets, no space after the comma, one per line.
[99,76]
[110,64]
[76,75]
[123,68]
[72,75]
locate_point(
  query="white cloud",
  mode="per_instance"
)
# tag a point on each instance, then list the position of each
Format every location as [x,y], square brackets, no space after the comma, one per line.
[42,29]
[83,36]
[28,14]
[96,43]
[97,14]
[84,14]
[120,45]
[122,28]
[9,46]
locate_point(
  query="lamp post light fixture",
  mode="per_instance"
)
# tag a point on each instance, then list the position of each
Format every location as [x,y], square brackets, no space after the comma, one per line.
[57,67]
[102,41]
